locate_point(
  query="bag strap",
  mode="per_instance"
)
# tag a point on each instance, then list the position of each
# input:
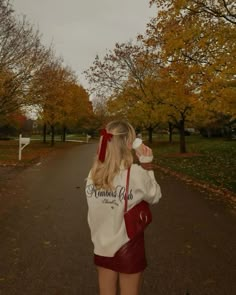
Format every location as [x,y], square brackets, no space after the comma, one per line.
[127,189]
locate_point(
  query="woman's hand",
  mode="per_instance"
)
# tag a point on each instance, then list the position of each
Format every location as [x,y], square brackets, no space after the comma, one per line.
[145,151]
[144,154]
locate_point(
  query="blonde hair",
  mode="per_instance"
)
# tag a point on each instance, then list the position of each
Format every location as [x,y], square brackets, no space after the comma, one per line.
[118,152]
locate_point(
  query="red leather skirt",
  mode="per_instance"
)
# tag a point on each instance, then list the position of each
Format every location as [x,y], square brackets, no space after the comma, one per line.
[130,258]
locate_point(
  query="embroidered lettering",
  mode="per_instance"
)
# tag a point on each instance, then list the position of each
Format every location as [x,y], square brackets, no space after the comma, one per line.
[107,201]
[119,192]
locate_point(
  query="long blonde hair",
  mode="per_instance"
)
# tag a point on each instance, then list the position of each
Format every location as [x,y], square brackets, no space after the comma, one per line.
[118,152]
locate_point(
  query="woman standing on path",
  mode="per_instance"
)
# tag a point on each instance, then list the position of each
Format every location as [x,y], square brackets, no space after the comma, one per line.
[115,255]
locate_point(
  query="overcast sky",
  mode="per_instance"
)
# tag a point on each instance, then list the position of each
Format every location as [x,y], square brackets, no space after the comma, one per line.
[80,29]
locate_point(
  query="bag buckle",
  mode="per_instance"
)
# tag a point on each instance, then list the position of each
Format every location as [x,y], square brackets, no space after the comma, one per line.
[143,216]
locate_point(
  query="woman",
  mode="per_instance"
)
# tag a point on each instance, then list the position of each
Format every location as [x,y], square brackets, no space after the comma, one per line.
[116,256]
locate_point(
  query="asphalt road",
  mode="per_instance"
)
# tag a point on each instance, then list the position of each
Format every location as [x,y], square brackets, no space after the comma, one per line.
[45,246]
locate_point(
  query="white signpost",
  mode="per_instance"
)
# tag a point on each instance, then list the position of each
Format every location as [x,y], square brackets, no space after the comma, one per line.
[23,142]
[88,137]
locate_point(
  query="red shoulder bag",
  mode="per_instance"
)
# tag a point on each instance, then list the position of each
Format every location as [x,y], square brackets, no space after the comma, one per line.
[138,217]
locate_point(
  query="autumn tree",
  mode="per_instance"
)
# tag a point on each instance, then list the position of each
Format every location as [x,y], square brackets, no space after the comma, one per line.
[189,32]
[100,115]
[12,124]
[197,44]
[224,9]
[127,74]
[60,99]
[144,112]
[21,54]
[185,63]
[76,107]
[47,91]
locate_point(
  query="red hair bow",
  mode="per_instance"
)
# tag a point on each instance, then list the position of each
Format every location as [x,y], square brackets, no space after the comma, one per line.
[105,138]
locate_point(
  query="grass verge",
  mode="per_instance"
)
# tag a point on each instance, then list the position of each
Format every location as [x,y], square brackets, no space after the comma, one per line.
[32,153]
[209,160]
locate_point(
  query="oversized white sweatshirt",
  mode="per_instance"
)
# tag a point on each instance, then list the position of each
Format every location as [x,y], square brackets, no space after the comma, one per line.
[106,208]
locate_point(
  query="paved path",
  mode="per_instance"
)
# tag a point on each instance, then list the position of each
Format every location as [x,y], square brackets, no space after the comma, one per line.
[45,246]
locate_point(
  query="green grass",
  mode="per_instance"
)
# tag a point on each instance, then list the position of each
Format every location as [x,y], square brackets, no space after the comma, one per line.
[211,160]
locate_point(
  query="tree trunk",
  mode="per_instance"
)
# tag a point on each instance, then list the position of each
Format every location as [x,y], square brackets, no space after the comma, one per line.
[182,136]
[64,134]
[52,135]
[44,133]
[170,131]
[150,132]
[229,133]
[208,132]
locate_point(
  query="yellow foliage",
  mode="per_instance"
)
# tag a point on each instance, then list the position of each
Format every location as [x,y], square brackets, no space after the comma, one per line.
[60,98]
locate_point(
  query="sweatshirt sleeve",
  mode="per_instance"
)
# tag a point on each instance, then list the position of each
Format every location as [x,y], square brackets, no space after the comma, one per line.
[147,184]
[153,189]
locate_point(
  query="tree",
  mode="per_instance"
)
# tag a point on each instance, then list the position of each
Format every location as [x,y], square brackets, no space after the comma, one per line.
[61,100]
[21,55]
[224,9]
[76,107]
[143,112]
[12,124]
[185,62]
[47,92]
[204,46]
[127,74]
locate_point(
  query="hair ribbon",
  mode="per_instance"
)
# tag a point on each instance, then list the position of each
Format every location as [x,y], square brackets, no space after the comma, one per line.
[105,138]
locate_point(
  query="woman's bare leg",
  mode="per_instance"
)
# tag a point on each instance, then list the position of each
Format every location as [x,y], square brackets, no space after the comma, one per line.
[130,283]
[107,280]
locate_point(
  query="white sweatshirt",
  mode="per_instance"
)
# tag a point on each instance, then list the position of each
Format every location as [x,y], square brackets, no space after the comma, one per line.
[106,208]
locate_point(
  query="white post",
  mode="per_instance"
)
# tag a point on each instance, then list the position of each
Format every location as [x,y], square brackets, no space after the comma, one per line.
[20,147]
[24,141]
[88,137]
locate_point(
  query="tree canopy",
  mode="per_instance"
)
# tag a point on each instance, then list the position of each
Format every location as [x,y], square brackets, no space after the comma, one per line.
[182,67]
